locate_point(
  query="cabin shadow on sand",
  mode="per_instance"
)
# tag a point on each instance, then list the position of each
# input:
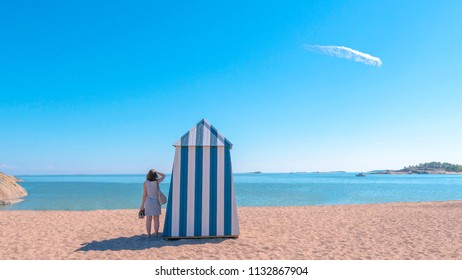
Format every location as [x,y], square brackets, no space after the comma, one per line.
[141,242]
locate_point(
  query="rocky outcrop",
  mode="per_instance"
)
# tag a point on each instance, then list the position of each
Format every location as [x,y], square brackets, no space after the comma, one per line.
[433,167]
[10,191]
[416,171]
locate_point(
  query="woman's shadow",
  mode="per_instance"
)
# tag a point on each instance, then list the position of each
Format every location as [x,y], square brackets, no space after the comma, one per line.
[141,242]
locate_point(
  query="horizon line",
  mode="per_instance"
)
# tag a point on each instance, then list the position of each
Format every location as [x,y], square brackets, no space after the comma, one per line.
[142,174]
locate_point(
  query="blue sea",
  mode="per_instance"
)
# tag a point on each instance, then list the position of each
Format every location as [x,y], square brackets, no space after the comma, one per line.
[91,192]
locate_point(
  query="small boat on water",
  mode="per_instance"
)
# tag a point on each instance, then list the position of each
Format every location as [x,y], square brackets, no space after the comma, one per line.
[361,174]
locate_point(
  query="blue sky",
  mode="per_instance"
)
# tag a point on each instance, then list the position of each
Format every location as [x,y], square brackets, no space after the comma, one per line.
[109,86]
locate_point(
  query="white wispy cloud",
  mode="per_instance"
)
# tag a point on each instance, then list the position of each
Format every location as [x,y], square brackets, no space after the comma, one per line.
[6,166]
[345,52]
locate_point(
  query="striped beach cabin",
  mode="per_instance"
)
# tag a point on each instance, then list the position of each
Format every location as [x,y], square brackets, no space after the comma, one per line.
[201,200]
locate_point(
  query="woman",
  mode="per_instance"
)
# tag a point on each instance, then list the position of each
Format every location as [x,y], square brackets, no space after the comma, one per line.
[150,203]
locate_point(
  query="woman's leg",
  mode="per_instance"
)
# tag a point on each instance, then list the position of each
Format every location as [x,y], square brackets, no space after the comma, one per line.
[148,225]
[156,224]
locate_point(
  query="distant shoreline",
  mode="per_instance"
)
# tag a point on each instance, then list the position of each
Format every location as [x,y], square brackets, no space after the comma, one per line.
[380,172]
[421,172]
[433,167]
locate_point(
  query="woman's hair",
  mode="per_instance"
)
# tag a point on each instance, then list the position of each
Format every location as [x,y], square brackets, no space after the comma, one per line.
[152,175]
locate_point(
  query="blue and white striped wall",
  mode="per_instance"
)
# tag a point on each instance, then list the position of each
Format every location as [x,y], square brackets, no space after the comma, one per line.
[201,201]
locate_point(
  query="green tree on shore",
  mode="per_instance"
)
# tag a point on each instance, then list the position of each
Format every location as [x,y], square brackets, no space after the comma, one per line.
[435,166]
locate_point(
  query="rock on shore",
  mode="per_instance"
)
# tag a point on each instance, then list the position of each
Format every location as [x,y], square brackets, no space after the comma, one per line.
[419,171]
[10,191]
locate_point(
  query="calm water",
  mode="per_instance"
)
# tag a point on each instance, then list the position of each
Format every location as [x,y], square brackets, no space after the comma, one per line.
[90,192]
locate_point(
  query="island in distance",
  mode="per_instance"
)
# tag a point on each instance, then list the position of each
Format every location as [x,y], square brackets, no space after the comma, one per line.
[425,168]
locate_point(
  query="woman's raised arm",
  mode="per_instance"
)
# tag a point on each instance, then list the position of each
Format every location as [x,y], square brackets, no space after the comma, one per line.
[162,176]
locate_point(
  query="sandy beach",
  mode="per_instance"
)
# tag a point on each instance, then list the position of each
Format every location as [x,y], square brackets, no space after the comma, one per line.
[383,231]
